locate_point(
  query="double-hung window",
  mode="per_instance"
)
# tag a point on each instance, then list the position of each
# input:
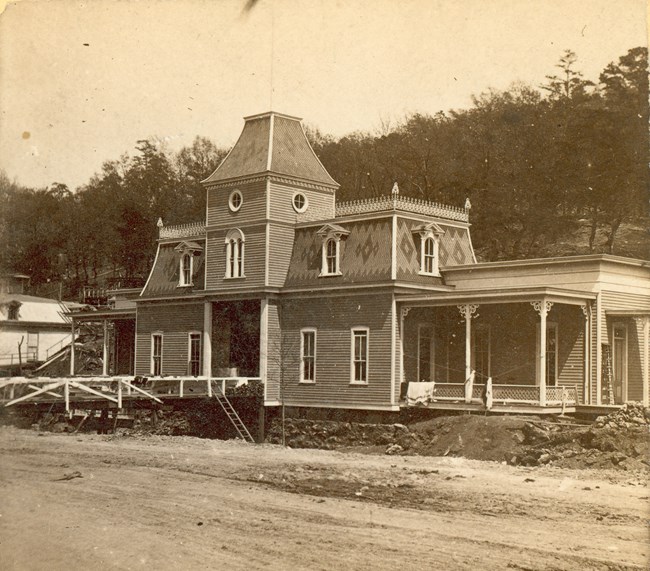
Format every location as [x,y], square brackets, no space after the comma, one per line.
[156,354]
[194,361]
[429,238]
[308,356]
[359,364]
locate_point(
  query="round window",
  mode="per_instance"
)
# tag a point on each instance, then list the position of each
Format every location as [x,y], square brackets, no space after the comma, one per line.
[299,202]
[235,200]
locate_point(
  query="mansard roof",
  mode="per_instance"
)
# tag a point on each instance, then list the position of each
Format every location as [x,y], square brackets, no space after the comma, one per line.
[272,143]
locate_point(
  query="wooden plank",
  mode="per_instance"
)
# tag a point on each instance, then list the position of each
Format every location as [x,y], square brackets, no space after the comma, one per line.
[92,391]
[45,389]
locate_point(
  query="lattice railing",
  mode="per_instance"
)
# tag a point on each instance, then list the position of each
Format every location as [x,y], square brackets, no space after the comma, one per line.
[191,230]
[404,203]
[515,393]
[558,395]
[449,391]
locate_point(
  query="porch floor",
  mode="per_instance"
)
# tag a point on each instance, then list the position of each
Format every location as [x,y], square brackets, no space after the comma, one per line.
[514,408]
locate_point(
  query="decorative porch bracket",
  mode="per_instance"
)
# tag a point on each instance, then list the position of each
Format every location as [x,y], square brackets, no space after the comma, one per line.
[468,311]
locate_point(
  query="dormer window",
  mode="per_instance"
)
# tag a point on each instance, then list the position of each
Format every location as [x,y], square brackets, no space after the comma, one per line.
[429,238]
[331,235]
[235,254]
[186,270]
[12,310]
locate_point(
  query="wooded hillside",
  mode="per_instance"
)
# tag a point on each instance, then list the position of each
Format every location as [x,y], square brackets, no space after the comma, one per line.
[552,169]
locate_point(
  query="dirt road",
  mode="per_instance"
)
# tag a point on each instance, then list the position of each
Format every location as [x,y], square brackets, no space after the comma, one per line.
[184,503]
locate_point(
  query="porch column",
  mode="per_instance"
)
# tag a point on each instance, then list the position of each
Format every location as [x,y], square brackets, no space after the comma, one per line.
[643,324]
[586,393]
[264,342]
[207,339]
[105,349]
[402,318]
[542,307]
[467,311]
[72,350]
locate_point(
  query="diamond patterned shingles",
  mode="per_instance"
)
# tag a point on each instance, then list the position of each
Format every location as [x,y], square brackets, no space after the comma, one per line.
[165,274]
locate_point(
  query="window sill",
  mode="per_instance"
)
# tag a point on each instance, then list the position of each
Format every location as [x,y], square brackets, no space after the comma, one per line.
[307,382]
[322,275]
[234,277]
[429,274]
[185,285]
[362,383]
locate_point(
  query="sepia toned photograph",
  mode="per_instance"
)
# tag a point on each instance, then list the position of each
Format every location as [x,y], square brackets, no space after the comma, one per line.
[322,285]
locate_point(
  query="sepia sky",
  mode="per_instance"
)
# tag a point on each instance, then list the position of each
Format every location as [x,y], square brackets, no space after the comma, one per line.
[81,82]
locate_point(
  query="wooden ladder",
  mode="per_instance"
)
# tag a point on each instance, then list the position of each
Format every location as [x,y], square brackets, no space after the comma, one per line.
[231,413]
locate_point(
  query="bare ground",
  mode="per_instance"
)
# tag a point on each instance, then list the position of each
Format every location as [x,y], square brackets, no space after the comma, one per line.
[186,503]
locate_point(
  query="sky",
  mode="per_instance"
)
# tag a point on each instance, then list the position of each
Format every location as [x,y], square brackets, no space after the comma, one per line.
[82,82]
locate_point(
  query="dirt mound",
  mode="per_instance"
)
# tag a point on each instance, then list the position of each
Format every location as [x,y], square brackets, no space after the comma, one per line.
[619,440]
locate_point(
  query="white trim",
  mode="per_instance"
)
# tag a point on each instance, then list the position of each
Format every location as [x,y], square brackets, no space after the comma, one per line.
[302,354]
[189,352]
[231,206]
[353,331]
[264,343]
[305,205]
[393,348]
[361,406]
[153,267]
[393,249]
[267,233]
[269,158]
[151,356]
[624,380]
[552,327]
[206,354]
[599,348]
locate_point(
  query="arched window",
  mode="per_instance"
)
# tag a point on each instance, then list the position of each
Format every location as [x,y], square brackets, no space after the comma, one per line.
[331,249]
[186,269]
[429,235]
[332,256]
[235,254]
[428,262]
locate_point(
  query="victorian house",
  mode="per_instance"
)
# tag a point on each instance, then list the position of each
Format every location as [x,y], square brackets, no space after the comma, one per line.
[345,305]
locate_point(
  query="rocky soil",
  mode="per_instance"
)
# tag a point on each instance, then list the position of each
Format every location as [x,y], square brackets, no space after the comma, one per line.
[619,440]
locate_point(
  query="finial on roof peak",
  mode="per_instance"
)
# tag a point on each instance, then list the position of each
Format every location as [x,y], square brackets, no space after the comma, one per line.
[468,204]
[160,222]
[395,188]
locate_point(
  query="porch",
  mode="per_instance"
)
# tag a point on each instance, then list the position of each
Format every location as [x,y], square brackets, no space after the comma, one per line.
[532,345]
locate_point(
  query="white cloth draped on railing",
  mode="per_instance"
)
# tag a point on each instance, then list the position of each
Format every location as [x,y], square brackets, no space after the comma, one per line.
[487,394]
[420,393]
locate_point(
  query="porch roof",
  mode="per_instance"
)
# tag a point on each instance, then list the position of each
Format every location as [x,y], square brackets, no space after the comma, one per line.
[501,295]
[100,315]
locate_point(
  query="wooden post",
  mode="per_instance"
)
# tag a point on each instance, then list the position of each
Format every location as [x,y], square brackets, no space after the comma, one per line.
[586,310]
[180,388]
[105,349]
[207,339]
[261,419]
[468,311]
[66,392]
[72,351]
[119,394]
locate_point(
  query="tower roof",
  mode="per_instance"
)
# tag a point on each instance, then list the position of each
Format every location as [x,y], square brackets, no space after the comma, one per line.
[272,143]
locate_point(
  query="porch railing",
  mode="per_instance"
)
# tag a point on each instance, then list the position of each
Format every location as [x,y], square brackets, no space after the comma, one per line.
[507,394]
[71,390]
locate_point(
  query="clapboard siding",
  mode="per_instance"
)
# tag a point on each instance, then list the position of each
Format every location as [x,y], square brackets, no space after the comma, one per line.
[280,248]
[571,349]
[320,204]
[621,301]
[274,353]
[174,321]
[254,256]
[333,318]
[253,206]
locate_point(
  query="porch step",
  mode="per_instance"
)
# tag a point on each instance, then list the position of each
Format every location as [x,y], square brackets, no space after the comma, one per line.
[227,407]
